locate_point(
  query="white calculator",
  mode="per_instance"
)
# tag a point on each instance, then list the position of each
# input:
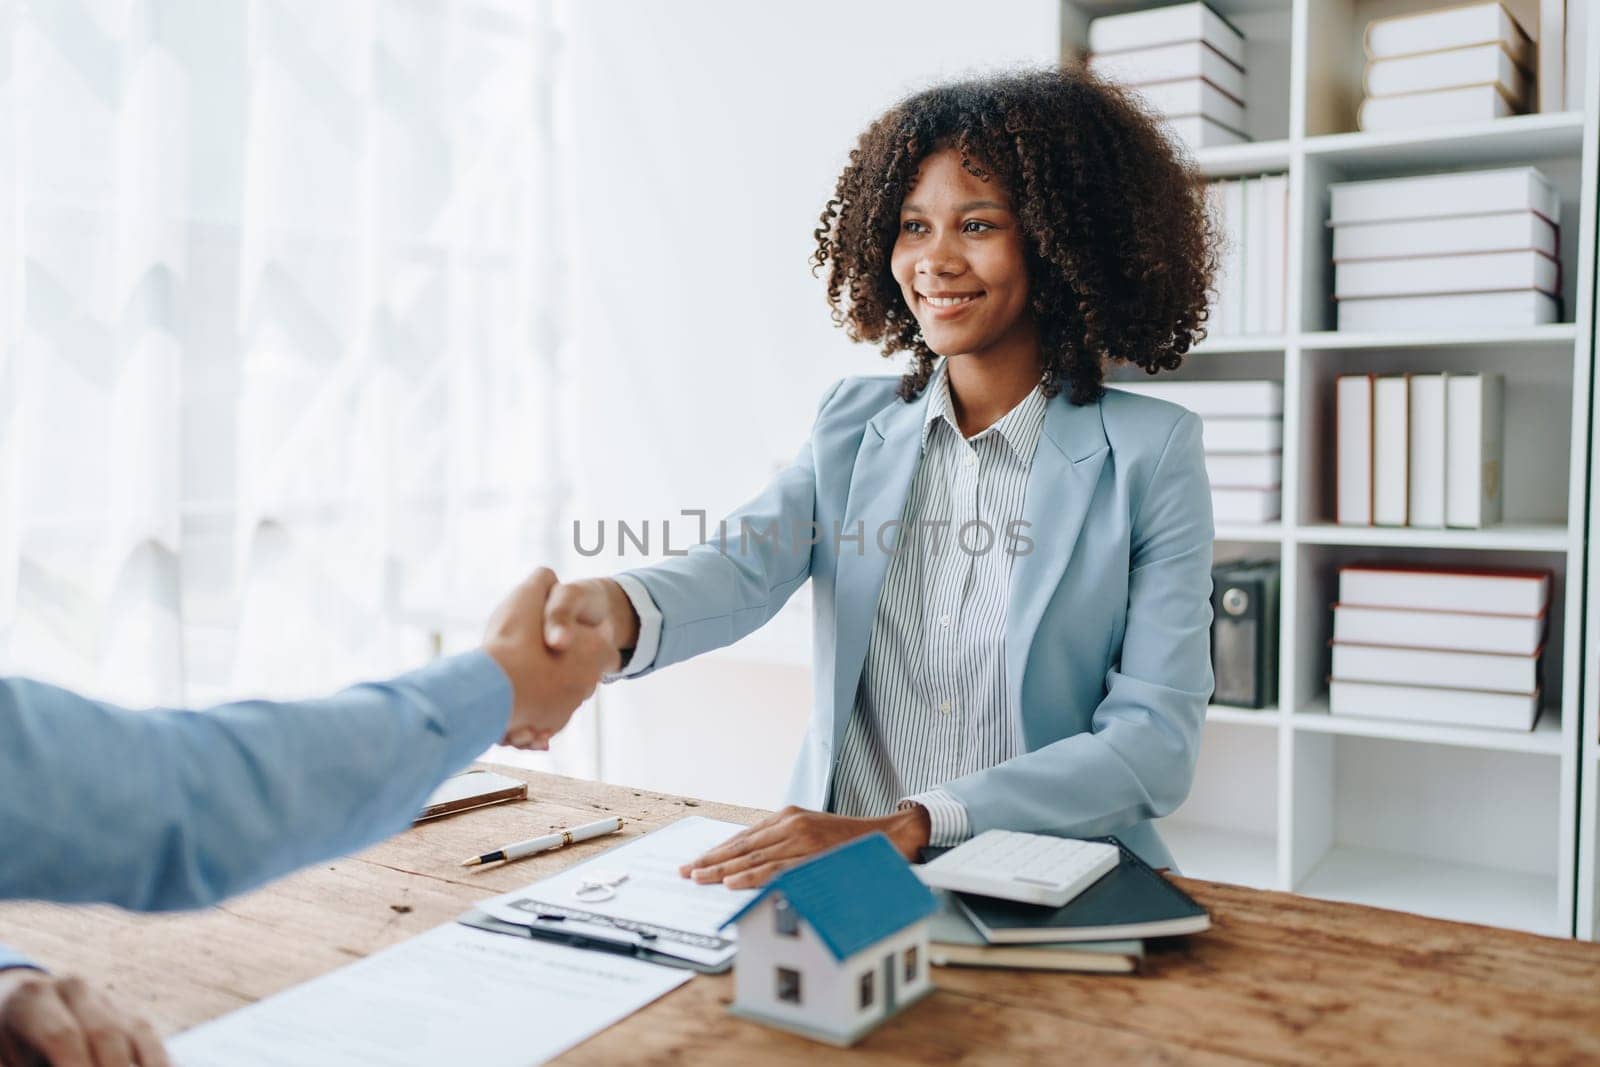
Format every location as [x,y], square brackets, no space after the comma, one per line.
[1033,868]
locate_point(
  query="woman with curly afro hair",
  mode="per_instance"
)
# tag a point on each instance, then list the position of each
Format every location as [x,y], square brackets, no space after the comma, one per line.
[1011,563]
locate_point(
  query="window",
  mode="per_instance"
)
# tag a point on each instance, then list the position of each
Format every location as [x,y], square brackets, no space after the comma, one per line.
[866,989]
[911,964]
[788,985]
[786,918]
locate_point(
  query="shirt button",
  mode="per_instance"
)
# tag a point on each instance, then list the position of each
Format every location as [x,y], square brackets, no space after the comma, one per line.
[972,461]
[944,707]
[944,620]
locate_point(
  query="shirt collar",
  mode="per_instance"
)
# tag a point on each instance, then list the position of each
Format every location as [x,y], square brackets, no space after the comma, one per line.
[1019,428]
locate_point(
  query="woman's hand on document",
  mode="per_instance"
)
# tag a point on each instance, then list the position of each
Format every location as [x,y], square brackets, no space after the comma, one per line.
[547,685]
[794,835]
[66,1023]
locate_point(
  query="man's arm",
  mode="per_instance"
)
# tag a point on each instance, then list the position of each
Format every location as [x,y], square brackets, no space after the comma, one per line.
[159,810]
[178,809]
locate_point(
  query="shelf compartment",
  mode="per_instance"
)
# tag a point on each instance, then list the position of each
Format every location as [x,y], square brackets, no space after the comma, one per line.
[1457,891]
[1544,739]
[1448,830]
[1316,589]
[1538,423]
[1220,855]
[1226,829]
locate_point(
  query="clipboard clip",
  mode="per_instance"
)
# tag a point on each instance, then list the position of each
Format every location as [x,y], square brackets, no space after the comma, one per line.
[479,920]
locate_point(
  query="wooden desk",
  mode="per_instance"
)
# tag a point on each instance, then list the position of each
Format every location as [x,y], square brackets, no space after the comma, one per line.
[1278,979]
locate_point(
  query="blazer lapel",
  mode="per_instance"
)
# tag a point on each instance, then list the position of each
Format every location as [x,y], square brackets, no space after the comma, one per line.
[1061,484]
[886,463]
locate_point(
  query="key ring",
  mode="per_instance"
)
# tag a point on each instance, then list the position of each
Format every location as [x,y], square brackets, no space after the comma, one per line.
[600,888]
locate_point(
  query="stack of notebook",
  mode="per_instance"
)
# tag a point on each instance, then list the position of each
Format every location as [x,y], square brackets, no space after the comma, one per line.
[1459,250]
[1103,929]
[1419,450]
[1431,644]
[1468,63]
[1187,62]
[1243,433]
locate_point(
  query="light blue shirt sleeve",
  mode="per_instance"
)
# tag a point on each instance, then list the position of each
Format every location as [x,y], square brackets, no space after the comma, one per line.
[160,810]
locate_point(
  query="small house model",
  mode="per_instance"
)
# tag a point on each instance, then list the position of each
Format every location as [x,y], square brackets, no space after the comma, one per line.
[833,947]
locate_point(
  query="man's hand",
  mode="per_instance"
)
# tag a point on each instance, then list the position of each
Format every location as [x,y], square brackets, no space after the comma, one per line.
[590,602]
[63,1022]
[547,686]
[794,835]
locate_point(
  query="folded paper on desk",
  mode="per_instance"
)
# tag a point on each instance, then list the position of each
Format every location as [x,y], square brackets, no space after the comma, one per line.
[450,995]
[652,912]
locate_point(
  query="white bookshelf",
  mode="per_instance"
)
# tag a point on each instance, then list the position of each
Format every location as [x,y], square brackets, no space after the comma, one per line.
[1475,825]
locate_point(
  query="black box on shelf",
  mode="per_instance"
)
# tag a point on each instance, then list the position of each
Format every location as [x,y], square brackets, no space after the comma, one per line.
[1244,633]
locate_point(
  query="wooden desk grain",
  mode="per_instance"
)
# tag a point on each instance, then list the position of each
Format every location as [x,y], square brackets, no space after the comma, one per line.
[1279,978]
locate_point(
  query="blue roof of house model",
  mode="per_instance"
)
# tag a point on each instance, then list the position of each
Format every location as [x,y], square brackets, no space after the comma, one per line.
[853,895]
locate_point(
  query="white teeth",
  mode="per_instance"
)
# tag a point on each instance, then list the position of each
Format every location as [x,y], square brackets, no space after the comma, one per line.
[950,301]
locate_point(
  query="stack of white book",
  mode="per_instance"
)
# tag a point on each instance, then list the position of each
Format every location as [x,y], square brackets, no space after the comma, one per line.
[1457,647]
[1187,61]
[1468,63]
[1242,426]
[1442,251]
[1252,215]
[1419,449]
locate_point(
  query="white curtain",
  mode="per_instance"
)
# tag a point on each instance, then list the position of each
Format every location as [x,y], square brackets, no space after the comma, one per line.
[277,353]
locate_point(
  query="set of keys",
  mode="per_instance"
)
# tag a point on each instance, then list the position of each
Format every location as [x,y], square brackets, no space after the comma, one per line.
[599,888]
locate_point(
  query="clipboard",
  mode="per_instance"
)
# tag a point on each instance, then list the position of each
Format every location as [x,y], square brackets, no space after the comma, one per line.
[481,921]
[653,915]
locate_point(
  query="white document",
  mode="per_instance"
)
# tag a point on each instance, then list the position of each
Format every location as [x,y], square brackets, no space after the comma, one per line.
[1427,450]
[451,995]
[1255,255]
[1353,449]
[1391,451]
[1277,251]
[653,906]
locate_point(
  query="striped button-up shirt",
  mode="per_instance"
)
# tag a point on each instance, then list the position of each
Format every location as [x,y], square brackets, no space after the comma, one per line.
[933,704]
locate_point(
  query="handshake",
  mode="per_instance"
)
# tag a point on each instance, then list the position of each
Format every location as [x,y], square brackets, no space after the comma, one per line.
[554,641]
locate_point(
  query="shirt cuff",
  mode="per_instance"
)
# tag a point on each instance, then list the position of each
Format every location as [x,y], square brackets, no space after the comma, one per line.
[10,958]
[947,817]
[468,697]
[644,650]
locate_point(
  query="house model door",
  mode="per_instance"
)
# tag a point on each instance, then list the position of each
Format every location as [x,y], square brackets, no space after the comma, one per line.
[889,998]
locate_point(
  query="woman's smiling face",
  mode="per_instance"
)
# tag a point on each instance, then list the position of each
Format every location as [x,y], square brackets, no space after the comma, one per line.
[958,259]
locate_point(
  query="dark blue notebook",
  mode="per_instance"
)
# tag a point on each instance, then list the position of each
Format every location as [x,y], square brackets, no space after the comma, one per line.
[1131,901]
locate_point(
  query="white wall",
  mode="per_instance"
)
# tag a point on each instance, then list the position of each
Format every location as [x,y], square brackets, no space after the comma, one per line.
[705,138]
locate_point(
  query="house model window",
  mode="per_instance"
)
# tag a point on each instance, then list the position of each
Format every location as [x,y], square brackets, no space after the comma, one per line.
[866,990]
[911,963]
[789,985]
[787,919]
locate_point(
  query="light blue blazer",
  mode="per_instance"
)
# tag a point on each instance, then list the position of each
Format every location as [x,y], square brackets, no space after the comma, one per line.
[1107,629]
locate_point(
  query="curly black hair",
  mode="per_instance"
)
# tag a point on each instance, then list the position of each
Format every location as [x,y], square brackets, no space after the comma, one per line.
[1119,251]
